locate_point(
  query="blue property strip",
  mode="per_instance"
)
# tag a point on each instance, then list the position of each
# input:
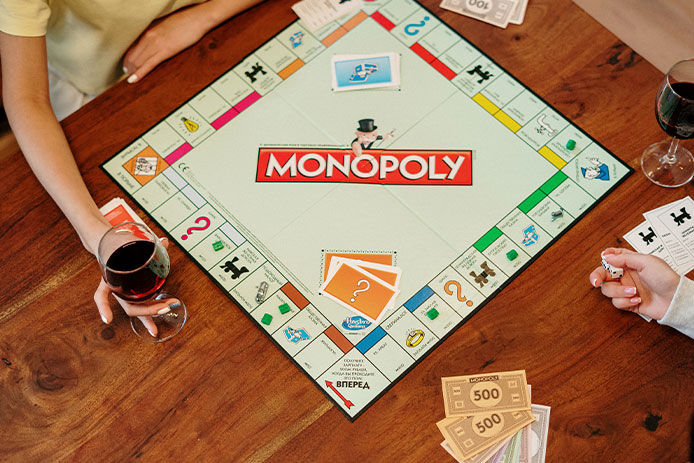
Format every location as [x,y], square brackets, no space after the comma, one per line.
[419,298]
[371,339]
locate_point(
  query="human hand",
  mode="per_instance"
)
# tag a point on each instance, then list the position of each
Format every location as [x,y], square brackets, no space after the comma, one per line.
[143,311]
[160,42]
[647,286]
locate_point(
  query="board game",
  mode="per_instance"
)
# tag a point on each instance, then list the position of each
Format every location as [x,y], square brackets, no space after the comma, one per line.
[257,178]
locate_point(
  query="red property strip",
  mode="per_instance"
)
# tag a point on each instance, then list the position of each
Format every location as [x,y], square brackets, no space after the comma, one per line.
[224,118]
[246,102]
[382,20]
[422,52]
[294,295]
[178,153]
[443,69]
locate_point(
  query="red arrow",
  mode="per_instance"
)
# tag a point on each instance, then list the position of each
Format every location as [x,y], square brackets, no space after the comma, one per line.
[348,403]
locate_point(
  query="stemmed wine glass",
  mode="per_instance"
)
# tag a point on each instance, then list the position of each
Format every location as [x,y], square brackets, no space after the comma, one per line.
[666,163]
[135,266]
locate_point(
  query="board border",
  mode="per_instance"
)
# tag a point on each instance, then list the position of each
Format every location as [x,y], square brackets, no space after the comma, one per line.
[488,299]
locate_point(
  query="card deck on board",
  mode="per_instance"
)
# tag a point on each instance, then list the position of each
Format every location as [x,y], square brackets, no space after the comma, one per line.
[359,72]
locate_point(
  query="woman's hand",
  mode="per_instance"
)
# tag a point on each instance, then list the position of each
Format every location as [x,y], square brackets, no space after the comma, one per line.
[165,39]
[647,286]
[143,311]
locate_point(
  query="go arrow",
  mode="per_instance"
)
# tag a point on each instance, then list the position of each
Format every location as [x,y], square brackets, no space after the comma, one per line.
[348,403]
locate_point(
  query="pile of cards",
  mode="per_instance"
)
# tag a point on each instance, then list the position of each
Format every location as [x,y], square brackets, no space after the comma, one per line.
[317,13]
[361,72]
[366,288]
[489,418]
[667,232]
[497,12]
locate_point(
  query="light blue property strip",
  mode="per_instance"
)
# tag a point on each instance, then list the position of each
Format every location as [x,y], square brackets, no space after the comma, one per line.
[419,298]
[371,339]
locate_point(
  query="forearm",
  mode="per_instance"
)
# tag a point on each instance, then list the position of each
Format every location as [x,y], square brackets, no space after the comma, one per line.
[212,13]
[45,148]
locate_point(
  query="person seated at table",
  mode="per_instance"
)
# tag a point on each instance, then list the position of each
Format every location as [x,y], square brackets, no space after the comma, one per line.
[649,287]
[56,55]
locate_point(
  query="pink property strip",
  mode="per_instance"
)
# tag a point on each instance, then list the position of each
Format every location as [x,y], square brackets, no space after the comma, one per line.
[246,102]
[178,153]
[224,118]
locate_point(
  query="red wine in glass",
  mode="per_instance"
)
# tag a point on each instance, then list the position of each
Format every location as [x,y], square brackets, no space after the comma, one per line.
[666,163]
[133,273]
[135,265]
[675,110]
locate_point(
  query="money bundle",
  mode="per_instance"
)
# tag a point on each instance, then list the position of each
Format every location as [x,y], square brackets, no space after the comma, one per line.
[489,418]
[497,12]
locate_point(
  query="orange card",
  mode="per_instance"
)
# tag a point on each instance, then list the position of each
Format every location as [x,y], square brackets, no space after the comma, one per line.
[380,258]
[357,290]
[387,273]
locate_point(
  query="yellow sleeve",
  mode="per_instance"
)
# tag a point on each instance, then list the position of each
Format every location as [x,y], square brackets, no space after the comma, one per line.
[26,18]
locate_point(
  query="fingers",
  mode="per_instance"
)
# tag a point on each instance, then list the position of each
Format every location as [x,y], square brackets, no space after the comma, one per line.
[597,276]
[141,71]
[624,303]
[164,242]
[139,310]
[625,258]
[617,290]
[150,325]
[102,303]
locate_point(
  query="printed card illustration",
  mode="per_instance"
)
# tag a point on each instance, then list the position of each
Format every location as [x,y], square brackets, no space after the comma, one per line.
[145,165]
[357,72]
[359,291]
[597,170]
[294,336]
[530,236]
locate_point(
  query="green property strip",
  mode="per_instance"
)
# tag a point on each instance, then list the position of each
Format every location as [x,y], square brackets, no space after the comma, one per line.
[551,184]
[531,201]
[488,238]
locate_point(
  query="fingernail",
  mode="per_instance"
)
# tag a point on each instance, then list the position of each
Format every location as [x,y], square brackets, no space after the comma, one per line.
[125,70]
[630,290]
[635,300]
[103,317]
[132,78]
[164,310]
[175,305]
[151,334]
[595,282]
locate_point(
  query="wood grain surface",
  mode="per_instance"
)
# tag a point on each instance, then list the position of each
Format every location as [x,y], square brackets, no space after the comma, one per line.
[74,389]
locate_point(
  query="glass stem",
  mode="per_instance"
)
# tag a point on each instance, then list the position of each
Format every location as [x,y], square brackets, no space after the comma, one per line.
[670,157]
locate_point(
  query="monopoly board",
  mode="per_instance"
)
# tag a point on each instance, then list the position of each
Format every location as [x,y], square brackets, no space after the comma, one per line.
[254,178]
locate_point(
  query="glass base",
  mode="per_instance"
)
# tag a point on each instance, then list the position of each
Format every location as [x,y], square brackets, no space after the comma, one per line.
[671,173]
[168,325]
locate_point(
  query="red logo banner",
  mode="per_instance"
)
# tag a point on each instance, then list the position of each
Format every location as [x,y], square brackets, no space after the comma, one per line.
[386,167]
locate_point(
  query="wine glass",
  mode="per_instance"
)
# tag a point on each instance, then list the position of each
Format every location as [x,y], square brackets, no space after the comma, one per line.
[666,163]
[135,265]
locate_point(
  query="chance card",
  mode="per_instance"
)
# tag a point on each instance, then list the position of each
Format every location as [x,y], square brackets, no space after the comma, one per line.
[359,291]
[358,72]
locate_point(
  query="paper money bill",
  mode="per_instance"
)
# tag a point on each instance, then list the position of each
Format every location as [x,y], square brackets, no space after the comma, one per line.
[473,394]
[471,435]
[512,452]
[483,457]
[518,12]
[496,12]
[539,429]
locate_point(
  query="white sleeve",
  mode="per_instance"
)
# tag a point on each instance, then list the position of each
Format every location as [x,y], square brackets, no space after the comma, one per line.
[680,314]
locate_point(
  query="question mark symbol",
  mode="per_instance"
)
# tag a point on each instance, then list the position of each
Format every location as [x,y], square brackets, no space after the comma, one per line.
[449,291]
[198,220]
[413,29]
[359,290]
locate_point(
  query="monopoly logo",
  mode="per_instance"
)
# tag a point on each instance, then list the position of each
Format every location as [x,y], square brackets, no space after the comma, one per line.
[355,323]
[386,167]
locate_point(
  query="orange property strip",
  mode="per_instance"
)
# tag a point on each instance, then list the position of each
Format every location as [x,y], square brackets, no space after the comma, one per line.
[355,20]
[291,69]
[332,38]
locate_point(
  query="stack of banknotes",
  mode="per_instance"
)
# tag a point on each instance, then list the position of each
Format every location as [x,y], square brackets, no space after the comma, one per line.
[489,418]
[497,12]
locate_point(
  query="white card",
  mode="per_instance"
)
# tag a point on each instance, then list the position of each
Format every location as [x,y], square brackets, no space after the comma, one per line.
[679,221]
[359,72]
[646,241]
[683,259]
[518,14]
[317,13]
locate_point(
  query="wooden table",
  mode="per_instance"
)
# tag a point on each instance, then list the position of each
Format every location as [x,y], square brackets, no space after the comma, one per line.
[72,388]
